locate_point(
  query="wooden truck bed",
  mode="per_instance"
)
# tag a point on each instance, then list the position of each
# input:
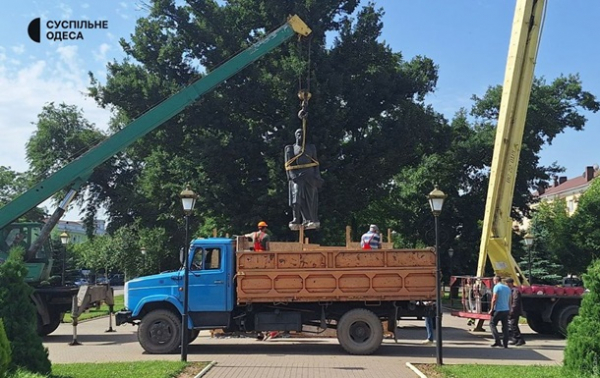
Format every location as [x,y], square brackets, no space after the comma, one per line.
[335,274]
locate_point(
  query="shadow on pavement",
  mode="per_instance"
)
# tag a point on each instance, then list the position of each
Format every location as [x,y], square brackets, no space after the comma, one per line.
[107,338]
[309,347]
[469,354]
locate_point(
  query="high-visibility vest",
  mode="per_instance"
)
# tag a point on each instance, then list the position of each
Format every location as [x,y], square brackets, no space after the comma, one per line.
[258,237]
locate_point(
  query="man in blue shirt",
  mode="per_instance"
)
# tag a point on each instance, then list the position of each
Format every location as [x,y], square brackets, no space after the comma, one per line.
[499,310]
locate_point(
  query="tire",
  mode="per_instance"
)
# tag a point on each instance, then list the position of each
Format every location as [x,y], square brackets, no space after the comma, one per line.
[537,324]
[360,331]
[46,329]
[160,332]
[562,318]
[193,335]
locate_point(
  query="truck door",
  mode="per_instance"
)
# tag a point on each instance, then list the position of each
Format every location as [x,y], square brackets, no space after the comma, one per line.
[208,288]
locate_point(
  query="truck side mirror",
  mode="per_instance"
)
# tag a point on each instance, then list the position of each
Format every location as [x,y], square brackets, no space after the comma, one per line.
[181,256]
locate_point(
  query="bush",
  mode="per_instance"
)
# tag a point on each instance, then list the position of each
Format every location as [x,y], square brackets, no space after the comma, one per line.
[4,351]
[26,374]
[20,317]
[582,353]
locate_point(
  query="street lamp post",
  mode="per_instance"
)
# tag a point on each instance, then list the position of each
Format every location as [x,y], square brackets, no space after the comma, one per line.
[188,200]
[143,251]
[529,238]
[451,255]
[64,240]
[436,201]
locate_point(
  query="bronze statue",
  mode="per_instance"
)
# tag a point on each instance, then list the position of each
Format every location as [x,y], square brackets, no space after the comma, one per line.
[304,177]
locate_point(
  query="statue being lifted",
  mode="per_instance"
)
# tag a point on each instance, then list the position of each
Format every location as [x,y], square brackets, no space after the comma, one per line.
[304,177]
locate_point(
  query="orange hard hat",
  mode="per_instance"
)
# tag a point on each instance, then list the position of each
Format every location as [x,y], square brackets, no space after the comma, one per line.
[262,224]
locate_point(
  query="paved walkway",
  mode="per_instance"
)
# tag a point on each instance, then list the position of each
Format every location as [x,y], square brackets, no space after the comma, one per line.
[315,358]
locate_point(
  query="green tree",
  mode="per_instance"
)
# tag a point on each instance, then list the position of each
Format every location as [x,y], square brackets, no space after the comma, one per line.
[543,270]
[154,241]
[553,108]
[12,184]
[96,254]
[125,247]
[20,317]
[5,352]
[367,115]
[582,353]
[463,171]
[62,135]
[586,221]
[458,160]
[554,243]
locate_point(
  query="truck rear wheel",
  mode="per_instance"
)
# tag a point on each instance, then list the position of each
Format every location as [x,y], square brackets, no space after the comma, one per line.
[562,318]
[360,331]
[537,324]
[160,332]
[46,329]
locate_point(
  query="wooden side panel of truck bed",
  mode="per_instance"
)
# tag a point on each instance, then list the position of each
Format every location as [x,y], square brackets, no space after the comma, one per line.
[335,275]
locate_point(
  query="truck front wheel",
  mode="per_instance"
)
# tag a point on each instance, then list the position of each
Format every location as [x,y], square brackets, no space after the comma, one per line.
[46,329]
[160,332]
[360,331]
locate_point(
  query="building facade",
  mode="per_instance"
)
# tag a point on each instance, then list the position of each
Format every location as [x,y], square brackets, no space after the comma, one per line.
[569,189]
[77,230]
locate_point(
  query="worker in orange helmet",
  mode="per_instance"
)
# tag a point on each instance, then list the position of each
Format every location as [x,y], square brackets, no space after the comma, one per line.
[260,238]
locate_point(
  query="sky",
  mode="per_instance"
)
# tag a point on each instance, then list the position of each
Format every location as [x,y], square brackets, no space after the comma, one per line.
[468,39]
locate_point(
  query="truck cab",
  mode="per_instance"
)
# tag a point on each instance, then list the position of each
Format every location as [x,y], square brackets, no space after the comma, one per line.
[212,265]
[23,235]
[211,293]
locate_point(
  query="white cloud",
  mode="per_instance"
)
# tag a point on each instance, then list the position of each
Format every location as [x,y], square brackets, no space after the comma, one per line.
[100,54]
[85,5]
[31,87]
[123,4]
[19,49]
[123,15]
[66,10]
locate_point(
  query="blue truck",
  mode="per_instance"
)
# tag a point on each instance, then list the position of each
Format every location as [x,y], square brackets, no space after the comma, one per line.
[239,290]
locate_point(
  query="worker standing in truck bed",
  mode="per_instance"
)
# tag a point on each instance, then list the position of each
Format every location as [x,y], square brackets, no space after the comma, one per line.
[260,238]
[371,239]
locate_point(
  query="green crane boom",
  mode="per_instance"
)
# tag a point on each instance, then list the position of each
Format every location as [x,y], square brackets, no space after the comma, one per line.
[79,170]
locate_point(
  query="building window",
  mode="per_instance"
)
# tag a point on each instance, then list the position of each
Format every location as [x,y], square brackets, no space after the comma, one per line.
[571,206]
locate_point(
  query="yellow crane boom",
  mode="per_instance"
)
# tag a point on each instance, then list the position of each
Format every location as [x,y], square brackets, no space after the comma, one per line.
[497,224]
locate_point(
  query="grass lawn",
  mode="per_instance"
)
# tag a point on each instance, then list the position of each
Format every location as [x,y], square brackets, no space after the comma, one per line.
[492,371]
[146,369]
[94,313]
